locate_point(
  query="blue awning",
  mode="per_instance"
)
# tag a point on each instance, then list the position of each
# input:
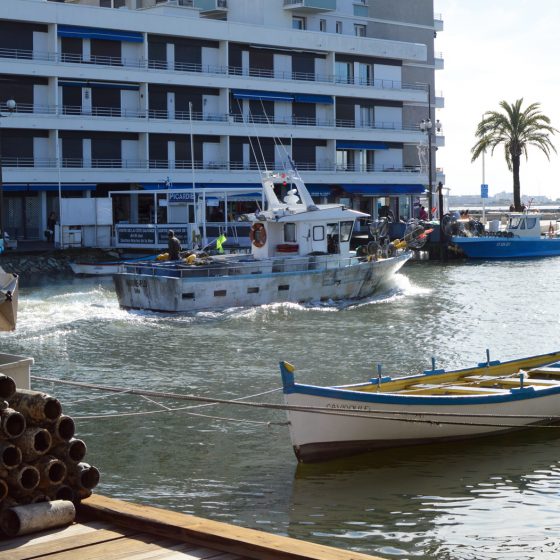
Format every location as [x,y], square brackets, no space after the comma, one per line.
[221,186]
[305,98]
[319,190]
[101,85]
[96,33]
[43,187]
[359,145]
[384,190]
[264,95]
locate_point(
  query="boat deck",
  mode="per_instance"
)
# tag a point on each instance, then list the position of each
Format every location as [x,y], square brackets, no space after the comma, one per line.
[108,529]
[482,381]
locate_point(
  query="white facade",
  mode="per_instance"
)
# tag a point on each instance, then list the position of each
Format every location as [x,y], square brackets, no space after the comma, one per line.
[107,98]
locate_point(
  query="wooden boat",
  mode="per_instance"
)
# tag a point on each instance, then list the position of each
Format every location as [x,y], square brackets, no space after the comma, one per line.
[8,300]
[522,238]
[433,406]
[300,253]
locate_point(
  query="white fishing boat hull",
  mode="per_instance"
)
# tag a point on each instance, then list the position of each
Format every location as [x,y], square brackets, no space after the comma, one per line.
[354,422]
[96,269]
[262,283]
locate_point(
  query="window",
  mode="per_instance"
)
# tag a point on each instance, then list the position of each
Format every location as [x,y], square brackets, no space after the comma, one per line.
[318,233]
[359,30]
[290,233]
[344,72]
[298,22]
[322,25]
[346,231]
[365,74]
[339,27]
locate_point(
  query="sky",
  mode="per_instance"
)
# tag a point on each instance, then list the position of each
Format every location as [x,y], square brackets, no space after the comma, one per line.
[493,51]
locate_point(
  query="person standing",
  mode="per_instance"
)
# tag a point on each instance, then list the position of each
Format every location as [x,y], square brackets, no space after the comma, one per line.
[173,246]
[51,223]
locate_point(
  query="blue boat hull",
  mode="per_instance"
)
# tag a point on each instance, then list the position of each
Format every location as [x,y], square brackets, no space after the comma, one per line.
[507,247]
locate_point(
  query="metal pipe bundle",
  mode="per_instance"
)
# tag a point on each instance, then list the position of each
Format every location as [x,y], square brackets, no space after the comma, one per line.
[40,462]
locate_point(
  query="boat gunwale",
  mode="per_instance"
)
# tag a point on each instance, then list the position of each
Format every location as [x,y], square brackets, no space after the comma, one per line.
[346,393]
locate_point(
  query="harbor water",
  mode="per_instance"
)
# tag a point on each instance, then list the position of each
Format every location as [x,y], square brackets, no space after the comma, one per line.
[487,499]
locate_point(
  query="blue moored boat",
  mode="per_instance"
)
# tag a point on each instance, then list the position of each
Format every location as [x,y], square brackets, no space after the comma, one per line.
[522,238]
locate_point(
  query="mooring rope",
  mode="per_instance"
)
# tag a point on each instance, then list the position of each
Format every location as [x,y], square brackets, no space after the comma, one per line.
[414,417]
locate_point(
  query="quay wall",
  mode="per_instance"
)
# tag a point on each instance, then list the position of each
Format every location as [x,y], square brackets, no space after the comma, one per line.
[47,262]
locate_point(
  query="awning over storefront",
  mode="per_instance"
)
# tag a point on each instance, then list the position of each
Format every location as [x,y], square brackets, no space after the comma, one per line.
[384,190]
[42,187]
[360,145]
[98,33]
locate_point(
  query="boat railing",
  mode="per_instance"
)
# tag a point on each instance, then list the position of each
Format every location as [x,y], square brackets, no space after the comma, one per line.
[240,266]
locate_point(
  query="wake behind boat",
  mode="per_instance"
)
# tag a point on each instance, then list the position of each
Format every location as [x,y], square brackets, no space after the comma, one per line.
[300,252]
[522,238]
[434,406]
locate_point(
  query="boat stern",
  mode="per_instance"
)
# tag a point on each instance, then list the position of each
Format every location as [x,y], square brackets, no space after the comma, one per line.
[156,293]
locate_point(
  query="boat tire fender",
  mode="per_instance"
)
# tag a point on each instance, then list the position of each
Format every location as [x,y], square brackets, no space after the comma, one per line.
[257,235]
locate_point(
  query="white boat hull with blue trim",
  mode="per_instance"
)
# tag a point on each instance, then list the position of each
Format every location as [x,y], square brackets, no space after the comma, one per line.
[435,406]
[522,238]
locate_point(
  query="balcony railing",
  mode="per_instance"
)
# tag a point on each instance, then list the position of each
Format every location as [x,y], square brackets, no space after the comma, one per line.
[228,118]
[195,68]
[211,166]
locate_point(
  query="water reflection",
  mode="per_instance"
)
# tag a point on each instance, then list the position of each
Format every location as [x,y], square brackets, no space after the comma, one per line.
[484,499]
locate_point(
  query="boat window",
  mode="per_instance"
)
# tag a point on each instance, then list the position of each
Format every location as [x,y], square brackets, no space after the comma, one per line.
[318,233]
[531,222]
[522,225]
[346,231]
[220,293]
[253,290]
[333,238]
[189,295]
[514,222]
[283,287]
[290,233]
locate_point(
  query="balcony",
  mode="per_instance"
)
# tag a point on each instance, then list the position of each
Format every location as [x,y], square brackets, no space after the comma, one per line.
[310,6]
[438,22]
[212,9]
[438,61]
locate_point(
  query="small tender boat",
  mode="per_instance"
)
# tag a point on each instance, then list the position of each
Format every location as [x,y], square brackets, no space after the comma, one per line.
[300,252]
[8,300]
[102,268]
[434,406]
[522,238]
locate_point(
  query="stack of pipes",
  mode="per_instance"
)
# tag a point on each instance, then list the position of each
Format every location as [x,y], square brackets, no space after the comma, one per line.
[41,462]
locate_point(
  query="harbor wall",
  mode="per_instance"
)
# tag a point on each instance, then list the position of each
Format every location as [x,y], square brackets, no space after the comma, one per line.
[47,262]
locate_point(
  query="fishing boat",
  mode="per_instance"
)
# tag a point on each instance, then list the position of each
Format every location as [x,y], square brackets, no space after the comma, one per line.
[300,252]
[521,238]
[8,300]
[433,406]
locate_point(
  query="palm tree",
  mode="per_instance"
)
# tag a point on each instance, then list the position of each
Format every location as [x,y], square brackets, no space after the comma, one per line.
[516,129]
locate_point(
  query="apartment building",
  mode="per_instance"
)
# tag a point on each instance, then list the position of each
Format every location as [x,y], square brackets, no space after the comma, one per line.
[145,95]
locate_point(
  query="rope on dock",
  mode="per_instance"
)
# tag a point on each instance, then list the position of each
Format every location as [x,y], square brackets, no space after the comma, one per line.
[402,415]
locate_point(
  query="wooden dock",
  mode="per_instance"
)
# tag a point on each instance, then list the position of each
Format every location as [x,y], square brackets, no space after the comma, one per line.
[109,529]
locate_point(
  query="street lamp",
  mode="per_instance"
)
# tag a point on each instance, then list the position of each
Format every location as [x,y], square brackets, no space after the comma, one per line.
[11,106]
[428,127]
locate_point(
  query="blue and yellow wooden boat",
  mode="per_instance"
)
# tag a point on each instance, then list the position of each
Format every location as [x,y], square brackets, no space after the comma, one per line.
[433,406]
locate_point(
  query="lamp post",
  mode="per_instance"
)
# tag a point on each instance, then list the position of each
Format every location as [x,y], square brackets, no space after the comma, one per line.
[427,126]
[11,106]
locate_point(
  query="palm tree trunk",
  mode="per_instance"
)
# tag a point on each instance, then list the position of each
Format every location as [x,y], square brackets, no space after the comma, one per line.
[515,161]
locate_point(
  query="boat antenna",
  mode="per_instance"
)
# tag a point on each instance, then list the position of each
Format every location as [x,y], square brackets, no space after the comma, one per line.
[278,144]
[250,138]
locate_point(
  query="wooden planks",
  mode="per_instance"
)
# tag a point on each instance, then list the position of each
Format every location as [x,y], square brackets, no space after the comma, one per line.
[237,541]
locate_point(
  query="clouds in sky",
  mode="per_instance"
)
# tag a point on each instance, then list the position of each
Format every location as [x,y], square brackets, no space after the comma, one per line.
[494,51]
